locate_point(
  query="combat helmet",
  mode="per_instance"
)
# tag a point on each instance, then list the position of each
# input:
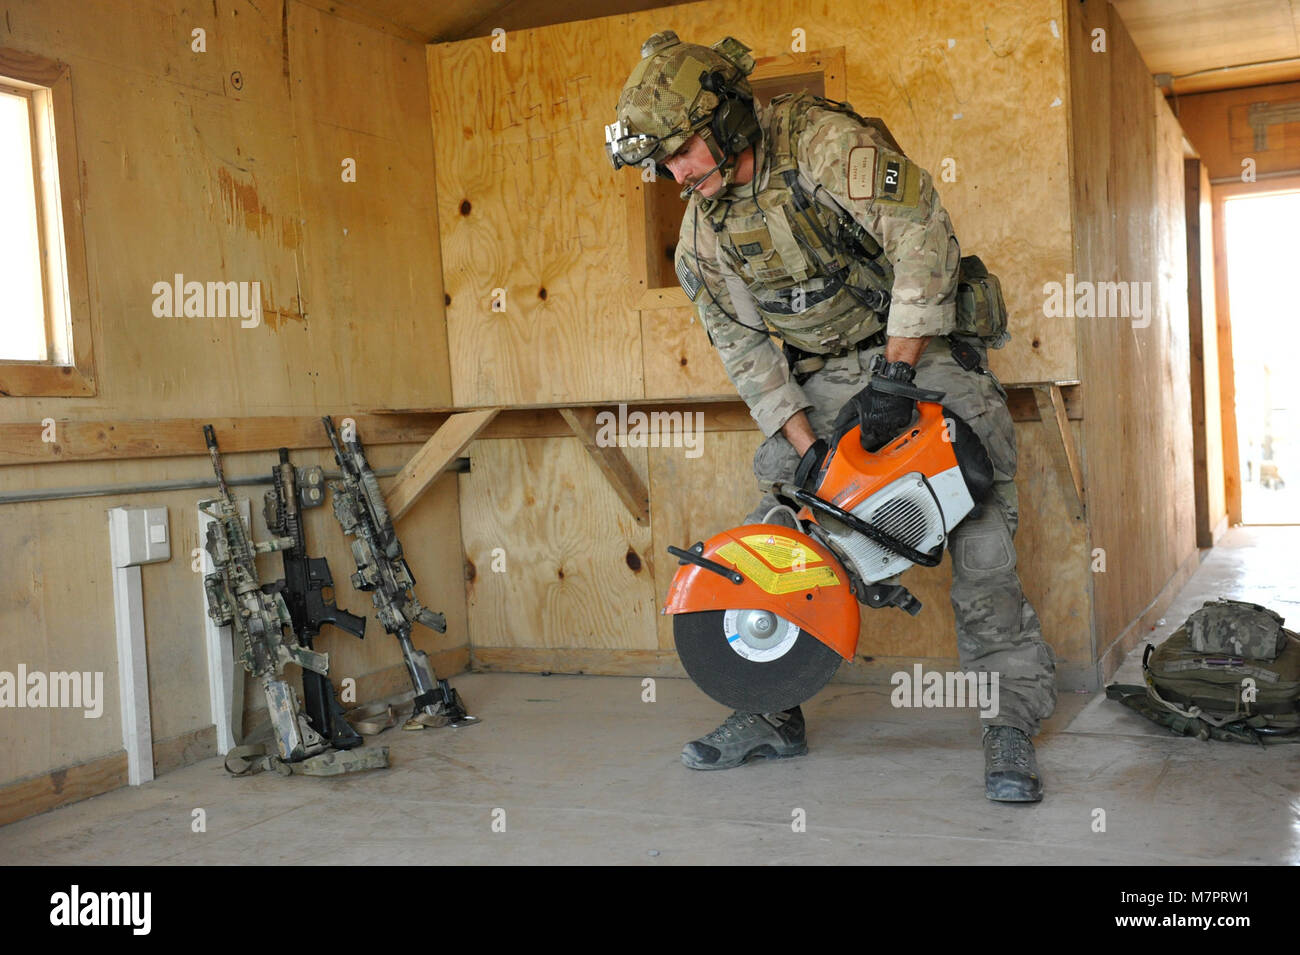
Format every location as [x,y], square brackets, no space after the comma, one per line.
[679,89]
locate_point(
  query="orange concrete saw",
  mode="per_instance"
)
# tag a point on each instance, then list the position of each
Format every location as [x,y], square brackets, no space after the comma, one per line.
[765,613]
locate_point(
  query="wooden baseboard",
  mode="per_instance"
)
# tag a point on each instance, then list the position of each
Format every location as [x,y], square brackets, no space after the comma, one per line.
[28,797]
[595,662]
[184,750]
[1136,632]
[1070,676]
[1219,530]
[394,680]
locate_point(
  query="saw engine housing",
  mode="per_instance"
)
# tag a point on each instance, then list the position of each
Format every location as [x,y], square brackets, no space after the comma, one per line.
[915,489]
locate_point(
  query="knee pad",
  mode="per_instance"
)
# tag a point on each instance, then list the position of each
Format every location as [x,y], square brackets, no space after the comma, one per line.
[983,549]
[775,460]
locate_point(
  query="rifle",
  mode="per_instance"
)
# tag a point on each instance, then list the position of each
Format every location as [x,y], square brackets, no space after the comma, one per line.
[305,580]
[261,620]
[383,571]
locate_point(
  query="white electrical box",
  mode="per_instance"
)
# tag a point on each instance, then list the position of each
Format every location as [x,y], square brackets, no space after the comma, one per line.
[138,535]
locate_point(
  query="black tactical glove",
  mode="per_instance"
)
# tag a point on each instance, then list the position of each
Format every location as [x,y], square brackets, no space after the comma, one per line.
[810,464]
[878,408]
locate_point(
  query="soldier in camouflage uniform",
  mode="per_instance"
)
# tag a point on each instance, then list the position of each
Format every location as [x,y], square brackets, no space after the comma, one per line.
[807,222]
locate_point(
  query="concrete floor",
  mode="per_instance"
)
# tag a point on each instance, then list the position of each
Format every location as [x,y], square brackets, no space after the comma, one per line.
[588,773]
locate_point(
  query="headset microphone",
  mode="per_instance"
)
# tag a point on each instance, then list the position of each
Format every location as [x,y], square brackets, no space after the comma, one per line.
[686,193]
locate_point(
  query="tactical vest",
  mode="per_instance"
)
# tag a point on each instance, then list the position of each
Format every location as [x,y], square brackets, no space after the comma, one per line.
[820,282]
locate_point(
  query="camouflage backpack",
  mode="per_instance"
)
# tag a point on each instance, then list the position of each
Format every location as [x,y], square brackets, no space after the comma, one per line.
[1230,672]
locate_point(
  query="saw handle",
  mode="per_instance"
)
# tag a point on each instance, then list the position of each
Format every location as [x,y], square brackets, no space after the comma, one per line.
[693,556]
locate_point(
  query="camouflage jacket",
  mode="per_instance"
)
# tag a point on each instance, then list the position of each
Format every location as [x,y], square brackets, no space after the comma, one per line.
[860,168]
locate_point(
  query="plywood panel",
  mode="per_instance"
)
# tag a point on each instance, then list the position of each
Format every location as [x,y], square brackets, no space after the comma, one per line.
[375,316]
[572,567]
[695,497]
[1218,125]
[949,82]
[523,208]
[60,787]
[1129,226]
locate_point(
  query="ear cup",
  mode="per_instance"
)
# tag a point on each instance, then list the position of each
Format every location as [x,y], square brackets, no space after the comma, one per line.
[734,123]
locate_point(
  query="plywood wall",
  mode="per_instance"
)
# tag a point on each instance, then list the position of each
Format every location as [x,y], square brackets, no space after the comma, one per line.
[225,165]
[1130,227]
[527,200]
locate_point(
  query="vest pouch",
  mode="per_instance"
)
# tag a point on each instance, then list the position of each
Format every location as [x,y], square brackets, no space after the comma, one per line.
[759,253]
[981,311]
[831,319]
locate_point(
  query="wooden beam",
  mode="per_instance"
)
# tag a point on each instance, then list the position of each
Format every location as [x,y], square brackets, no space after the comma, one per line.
[101,440]
[431,460]
[722,412]
[612,462]
[1051,408]
[23,443]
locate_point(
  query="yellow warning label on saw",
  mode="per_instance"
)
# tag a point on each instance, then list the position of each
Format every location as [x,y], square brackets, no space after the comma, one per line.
[782,552]
[774,581]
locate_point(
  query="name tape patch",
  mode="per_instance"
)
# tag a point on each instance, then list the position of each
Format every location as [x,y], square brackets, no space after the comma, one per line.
[862,172]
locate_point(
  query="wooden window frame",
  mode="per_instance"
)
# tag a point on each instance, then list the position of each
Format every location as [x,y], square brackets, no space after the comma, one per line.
[828,62]
[69,370]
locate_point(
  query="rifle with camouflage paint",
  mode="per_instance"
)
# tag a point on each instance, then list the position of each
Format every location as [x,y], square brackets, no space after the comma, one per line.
[261,621]
[383,571]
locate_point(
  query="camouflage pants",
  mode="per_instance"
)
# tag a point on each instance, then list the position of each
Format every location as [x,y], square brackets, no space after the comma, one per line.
[997,629]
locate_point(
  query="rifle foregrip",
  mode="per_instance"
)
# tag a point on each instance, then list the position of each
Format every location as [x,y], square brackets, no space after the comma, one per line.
[434,621]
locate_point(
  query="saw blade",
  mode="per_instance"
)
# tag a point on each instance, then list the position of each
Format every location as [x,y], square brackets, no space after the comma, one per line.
[751,660]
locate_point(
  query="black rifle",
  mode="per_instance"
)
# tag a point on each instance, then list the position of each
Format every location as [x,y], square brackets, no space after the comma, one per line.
[303,588]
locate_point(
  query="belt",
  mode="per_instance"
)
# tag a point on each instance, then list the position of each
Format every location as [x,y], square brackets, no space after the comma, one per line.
[804,364]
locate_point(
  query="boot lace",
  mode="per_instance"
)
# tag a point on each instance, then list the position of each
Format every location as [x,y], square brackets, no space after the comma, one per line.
[731,726]
[1010,747]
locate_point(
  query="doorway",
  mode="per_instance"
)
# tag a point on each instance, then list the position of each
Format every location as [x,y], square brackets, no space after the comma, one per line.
[1263,259]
